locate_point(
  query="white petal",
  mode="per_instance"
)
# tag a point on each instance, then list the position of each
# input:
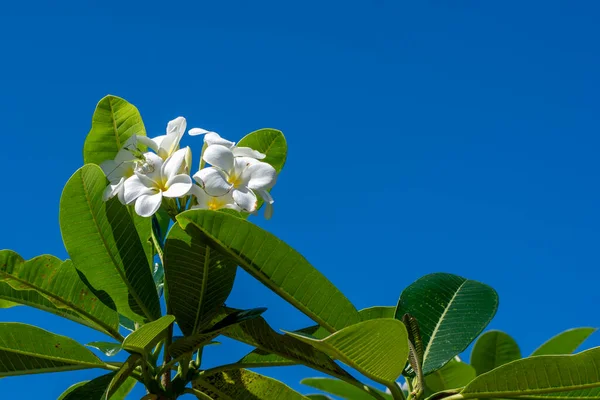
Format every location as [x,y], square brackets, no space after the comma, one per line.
[151,167]
[261,176]
[213,138]
[245,198]
[219,156]
[112,189]
[146,141]
[178,186]
[167,146]
[134,187]
[213,180]
[177,127]
[158,141]
[109,167]
[247,152]
[201,196]
[266,196]
[147,205]
[173,165]
[268,211]
[198,131]
[188,159]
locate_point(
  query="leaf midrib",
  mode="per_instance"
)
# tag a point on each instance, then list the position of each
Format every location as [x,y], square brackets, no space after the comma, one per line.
[114,122]
[203,287]
[440,320]
[59,359]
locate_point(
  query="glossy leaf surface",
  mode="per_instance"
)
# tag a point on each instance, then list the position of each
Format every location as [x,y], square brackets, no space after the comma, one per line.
[493,349]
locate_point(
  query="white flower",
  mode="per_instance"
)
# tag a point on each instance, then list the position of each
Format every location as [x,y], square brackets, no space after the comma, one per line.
[120,169]
[208,202]
[162,179]
[166,145]
[240,176]
[213,138]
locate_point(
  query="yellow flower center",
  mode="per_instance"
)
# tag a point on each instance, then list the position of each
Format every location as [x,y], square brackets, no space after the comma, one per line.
[214,204]
[234,180]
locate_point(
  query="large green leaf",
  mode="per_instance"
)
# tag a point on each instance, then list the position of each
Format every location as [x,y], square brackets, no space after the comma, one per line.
[147,336]
[493,349]
[270,142]
[276,265]
[451,312]
[122,375]
[104,245]
[7,303]
[565,342]
[26,349]
[96,389]
[284,349]
[453,375]
[108,348]
[114,121]
[576,376]
[199,278]
[344,389]
[378,348]
[319,397]
[377,312]
[243,384]
[60,284]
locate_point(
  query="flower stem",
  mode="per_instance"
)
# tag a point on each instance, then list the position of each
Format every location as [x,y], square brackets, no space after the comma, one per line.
[397,393]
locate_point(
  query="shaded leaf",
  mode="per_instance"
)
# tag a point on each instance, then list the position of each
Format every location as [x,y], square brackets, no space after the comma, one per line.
[451,312]
[59,283]
[276,265]
[377,348]
[114,121]
[103,243]
[122,375]
[26,349]
[453,375]
[319,397]
[108,348]
[343,389]
[244,384]
[565,342]
[199,278]
[96,388]
[493,349]
[147,336]
[577,376]
[256,332]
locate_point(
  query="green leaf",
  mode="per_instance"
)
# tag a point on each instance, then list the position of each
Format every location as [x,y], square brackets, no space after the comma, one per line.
[7,303]
[378,348]
[26,349]
[103,243]
[96,388]
[276,265]
[319,397]
[493,349]
[576,376]
[114,121]
[61,285]
[343,389]
[258,333]
[109,349]
[143,226]
[453,375]
[451,312]
[271,143]
[565,342]
[244,384]
[147,336]
[199,278]
[377,312]
[122,375]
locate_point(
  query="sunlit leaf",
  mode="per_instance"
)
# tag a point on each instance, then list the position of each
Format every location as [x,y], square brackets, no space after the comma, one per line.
[565,342]
[147,336]
[114,121]
[276,265]
[451,312]
[103,243]
[26,349]
[60,284]
[454,375]
[378,348]
[493,349]
[343,389]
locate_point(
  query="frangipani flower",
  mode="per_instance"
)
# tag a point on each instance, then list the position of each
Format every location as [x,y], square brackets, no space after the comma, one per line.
[213,138]
[208,202]
[240,176]
[164,179]
[166,145]
[120,169]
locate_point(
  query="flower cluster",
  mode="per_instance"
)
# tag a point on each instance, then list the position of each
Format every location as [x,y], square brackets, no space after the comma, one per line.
[234,179]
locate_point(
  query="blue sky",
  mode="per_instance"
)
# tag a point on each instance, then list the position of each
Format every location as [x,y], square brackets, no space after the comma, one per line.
[423,136]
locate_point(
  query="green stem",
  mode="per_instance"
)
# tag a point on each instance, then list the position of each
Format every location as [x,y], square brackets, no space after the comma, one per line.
[397,393]
[197,393]
[199,357]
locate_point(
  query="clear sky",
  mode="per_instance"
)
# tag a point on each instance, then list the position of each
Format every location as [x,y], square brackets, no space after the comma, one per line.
[423,136]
